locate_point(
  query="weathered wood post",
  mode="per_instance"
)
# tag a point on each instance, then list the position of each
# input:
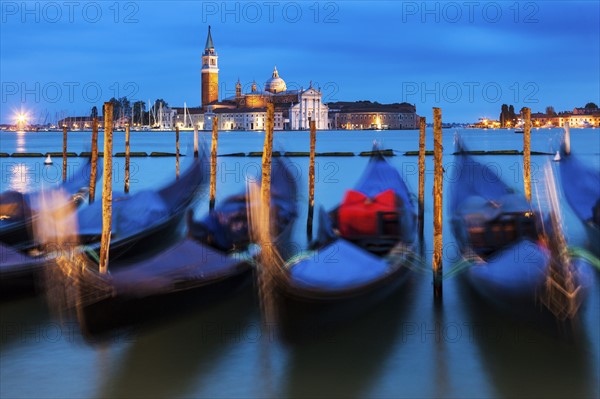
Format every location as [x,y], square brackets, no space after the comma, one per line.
[527,153]
[311,178]
[127,154]
[438,181]
[94,166]
[267,255]
[265,188]
[107,188]
[422,126]
[195,141]
[64,154]
[213,162]
[177,151]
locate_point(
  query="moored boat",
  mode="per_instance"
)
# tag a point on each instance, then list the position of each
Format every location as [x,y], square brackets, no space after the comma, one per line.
[18,211]
[144,221]
[359,257]
[506,249]
[581,186]
[214,261]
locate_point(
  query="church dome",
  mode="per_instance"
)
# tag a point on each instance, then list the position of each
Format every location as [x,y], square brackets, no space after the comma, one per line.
[275,84]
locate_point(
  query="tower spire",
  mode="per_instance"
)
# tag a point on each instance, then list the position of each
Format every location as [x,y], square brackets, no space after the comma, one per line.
[209,41]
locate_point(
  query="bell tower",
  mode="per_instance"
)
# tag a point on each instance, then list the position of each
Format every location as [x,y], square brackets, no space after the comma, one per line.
[238,89]
[210,73]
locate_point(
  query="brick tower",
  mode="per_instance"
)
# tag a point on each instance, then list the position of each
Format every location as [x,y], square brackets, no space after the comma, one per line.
[210,73]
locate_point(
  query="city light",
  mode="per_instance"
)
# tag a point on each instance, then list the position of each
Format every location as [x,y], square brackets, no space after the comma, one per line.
[21,118]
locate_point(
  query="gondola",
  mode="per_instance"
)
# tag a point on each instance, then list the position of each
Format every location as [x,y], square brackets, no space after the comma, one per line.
[581,186]
[18,211]
[359,256]
[211,262]
[502,240]
[144,221]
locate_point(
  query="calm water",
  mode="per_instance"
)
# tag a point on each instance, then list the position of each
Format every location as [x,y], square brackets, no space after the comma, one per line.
[407,347]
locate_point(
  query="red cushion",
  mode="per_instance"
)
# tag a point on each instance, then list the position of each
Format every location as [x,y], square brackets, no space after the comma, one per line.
[357,215]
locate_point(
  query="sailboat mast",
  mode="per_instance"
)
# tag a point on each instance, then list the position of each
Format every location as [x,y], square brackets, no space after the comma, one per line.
[184,114]
[160,116]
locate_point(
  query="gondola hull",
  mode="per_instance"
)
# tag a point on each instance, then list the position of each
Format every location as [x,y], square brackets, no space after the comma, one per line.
[17,233]
[512,279]
[105,317]
[20,275]
[304,312]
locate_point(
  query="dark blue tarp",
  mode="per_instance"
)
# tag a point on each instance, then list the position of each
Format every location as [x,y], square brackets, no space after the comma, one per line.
[338,266]
[130,214]
[581,186]
[137,212]
[227,224]
[476,180]
[516,271]
[380,176]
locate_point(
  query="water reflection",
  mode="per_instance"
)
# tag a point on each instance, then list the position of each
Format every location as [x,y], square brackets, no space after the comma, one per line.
[440,353]
[23,322]
[20,147]
[32,176]
[346,361]
[170,361]
[17,176]
[527,360]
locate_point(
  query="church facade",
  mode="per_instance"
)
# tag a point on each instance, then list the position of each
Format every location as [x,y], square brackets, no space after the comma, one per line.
[294,109]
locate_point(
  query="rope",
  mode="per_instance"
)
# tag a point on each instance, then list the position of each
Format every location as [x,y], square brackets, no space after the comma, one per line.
[581,253]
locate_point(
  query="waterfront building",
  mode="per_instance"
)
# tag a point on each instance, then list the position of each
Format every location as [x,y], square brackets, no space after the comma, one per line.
[294,108]
[372,115]
[75,123]
[580,117]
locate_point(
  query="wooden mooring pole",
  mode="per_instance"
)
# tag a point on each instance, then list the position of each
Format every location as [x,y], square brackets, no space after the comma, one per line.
[311,179]
[64,154]
[107,188]
[195,141]
[213,162]
[177,151]
[127,155]
[527,153]
[567,138]
[265,187]
[94,166]
[422,126]
[438,181]
[267,255]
